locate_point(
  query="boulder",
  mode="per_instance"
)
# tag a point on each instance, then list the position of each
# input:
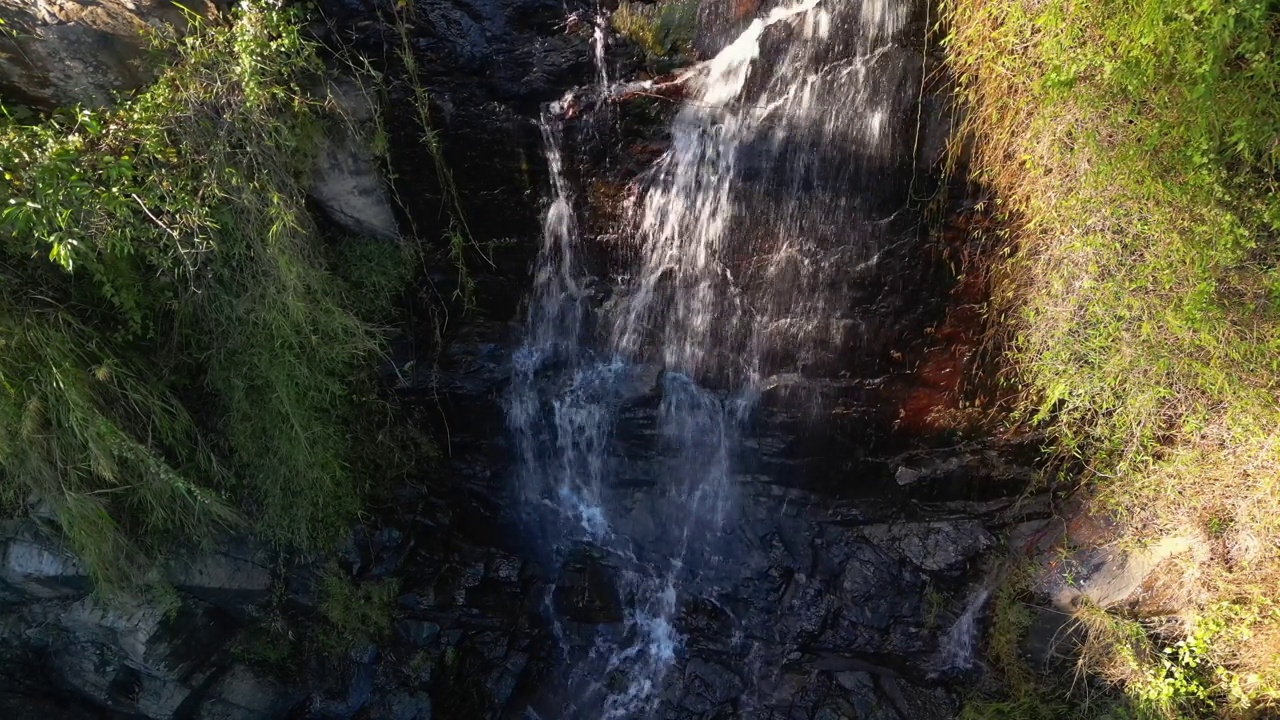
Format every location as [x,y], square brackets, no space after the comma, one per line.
[66,52]
[1112,577]
[346,179]
[242,695]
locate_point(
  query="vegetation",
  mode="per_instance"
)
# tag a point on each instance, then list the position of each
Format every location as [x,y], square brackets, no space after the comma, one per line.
[1133,148]
[664,30]
[178,356]
[354,613]
[457,234]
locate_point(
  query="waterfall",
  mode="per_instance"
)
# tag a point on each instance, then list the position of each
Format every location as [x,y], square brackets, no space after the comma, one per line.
[956,650]
[747,233]
[599,42]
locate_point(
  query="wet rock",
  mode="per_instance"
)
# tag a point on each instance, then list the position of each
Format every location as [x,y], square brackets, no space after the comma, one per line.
[586,591]
[940,546]
[708,687]
[36,566]
[475,364]
[404,706]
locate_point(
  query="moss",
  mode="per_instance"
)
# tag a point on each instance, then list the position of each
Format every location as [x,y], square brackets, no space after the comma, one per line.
[664,30]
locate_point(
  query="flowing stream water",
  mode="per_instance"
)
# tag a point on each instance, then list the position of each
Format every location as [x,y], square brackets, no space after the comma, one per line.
[746,235]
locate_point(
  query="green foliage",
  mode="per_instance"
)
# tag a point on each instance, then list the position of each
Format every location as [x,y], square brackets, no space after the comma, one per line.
[1025,696]
[1133,148]
[177,356]
[269,643]
[373,274]
[354,613]
[664,30]
[1169,314]
[1187,676]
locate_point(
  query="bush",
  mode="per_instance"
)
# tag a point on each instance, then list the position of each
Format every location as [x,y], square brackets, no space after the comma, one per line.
[1132,148]
[178,357]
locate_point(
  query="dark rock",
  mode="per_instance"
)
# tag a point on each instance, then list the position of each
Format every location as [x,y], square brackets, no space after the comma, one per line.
[810,603]
[586,591]
[418,633]
[1052,641]
[37,566]
[236,577]
[356,695]
[239,694]
[938,546]
[404,706]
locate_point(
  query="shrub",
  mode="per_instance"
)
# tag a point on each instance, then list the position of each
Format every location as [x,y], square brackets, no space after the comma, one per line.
[1131,147]
[177,356]
[354,613]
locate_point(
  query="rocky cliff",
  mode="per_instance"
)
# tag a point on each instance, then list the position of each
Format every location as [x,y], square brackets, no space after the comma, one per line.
[871,538]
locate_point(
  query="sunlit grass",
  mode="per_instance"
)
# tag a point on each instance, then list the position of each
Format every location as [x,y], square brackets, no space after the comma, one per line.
[1133,148]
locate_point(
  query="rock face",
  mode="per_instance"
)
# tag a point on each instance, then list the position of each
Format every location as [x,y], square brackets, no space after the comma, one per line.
[347,181]
[67,51]
[132,658]
[36,566]
[865,547]
[843,607]
[484,68]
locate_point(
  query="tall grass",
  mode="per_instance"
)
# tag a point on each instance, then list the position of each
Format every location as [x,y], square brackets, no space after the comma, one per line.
[177,355]
[1133,146]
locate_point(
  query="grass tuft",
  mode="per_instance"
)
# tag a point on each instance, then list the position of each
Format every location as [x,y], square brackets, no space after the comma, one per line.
[354,613]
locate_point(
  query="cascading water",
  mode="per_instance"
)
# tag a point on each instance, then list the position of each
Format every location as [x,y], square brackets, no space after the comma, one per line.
[747,233]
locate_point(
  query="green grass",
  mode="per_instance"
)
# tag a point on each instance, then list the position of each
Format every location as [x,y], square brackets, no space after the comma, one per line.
[178,358]
[1133,147]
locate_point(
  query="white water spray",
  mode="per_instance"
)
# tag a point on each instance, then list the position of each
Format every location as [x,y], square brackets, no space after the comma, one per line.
[738,237]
